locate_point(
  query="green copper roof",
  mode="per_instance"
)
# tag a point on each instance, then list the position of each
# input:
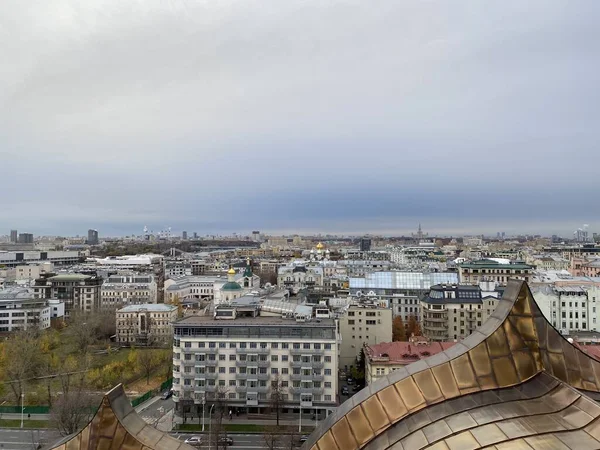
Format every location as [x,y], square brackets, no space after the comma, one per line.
[231,286]
[248,271]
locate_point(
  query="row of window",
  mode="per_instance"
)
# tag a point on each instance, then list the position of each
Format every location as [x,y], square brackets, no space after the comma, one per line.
[261,345]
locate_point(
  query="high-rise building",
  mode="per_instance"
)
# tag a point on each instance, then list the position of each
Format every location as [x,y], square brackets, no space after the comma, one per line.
[92,237]
[14,236]
[365,245]
[25,238]
[195,235]
[184,235]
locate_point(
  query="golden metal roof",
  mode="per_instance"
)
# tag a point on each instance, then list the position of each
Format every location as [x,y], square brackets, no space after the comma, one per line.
[515,383]
[116,425]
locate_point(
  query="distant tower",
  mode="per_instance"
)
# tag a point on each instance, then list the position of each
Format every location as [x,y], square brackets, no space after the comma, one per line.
[92,237]
[420,236]
[184,235]
[14,236]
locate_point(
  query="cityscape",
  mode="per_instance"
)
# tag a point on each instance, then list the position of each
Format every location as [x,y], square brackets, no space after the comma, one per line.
[299,225]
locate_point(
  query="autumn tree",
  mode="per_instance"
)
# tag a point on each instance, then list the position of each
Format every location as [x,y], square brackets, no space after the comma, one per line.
[414,329]
[80,331]
[398,330]
[72,410]
[20,359]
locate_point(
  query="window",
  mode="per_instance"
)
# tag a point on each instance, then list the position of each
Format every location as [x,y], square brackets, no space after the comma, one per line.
[306,346]
[328,372]
[328,398]
[284,358]
[285,346]
[232,345]
[351,322]
[222,357]
[327,346]
[328,384]
[284,371]
[274,370]
[274,345]
[222,344]
[327,359]
[232,383]
[221,369]
[232,370]
[231,357]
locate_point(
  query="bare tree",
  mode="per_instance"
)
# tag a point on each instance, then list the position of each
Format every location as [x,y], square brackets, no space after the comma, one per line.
[147,360]
[278,396]
[81,331]
[272,438]
[219,434]
[72,410]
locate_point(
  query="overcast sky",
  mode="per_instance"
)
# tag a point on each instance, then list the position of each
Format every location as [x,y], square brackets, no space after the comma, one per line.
[333,116]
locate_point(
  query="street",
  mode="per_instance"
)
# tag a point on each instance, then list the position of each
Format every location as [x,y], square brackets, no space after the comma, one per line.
[156,410]
[240,441]
[14,438]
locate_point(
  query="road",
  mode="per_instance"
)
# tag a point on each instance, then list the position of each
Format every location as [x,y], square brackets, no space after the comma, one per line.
[17,439]
[242,441]
[156,410]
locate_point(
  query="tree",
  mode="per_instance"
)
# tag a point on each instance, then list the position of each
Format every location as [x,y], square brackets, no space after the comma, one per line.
[72,410]
[146,361]
[219,412]
[81,331]
[414,329]
[20,359]
[278,395]
[272,438]
[398,330]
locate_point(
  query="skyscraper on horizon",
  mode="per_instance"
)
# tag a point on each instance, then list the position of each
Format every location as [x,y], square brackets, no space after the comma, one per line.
[14,236]
[92,237]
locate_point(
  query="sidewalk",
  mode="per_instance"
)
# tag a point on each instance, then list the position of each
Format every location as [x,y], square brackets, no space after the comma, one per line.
[257,419]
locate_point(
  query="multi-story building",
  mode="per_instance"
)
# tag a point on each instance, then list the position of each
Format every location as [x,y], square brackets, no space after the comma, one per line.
[25,238]
[382,359]
[20,309]
[58,258]
[399,291]
[32,271]
[490,270]
[245,357]
[296,277]
[128,289]
[146,324]
[361,326]
[92,237]
[77,291]
[179,267]
[14,236]
[452,311]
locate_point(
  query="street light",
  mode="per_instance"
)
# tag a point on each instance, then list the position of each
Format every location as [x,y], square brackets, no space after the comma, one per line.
[203,403]
[210,425]
[22,407]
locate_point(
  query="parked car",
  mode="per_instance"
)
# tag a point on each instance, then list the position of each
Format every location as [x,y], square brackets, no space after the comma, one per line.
[194,441]
[167,394]
[303,438]
[345,390]
[225,440]
[349,380]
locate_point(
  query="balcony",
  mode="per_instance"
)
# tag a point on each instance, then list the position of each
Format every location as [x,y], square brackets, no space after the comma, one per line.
[259,389]
[299,377]
[241,363]
[208,351]
[254,351]
[304,390]
[241,388]
[206,362]
[258,363]
[435,319]
[241,376]
[263,377]
[206,376]
[301,351]
[188,362]
[434,327]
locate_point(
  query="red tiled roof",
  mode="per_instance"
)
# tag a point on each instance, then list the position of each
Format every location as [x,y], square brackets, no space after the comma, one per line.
[405,352]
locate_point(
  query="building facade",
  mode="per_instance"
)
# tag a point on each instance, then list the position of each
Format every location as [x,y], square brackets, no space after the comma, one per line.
[128,289]
[20,309]
[58,258]
[490,270]
[146,324]
[92,237]
[77,291]
[298,277]
[239,356]
[451,312]
[362,326]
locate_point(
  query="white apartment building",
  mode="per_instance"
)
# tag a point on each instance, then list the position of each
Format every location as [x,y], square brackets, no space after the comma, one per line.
[569,308]
[177,268]
[147,324]
[32,271]
[19,309]
[191,287]
[361,326]
[128,289]
[16,258]
[237,354]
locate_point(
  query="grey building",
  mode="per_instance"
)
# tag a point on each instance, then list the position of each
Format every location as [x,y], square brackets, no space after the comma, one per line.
[365,245]
[14,236]
[92,237]
[25,238]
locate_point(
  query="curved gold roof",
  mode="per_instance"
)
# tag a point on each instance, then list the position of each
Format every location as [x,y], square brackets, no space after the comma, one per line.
[515,383]
[116,425]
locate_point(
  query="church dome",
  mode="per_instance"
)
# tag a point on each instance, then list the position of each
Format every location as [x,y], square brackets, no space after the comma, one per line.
[231,271]
[231,286]
[320,246]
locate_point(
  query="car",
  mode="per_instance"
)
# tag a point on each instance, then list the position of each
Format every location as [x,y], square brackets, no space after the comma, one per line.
[225,440]
[194,441]
[345,390]
[349,380]
[166,395]
[303,438]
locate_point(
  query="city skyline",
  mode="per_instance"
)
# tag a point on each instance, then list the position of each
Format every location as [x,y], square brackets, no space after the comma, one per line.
[223,116]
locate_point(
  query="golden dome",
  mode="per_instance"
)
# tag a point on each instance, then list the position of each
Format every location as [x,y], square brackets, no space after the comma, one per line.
[231,271]
[320,246]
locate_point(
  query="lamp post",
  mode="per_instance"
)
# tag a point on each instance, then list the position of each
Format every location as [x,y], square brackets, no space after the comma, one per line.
[22,407]
[203,403]
[300,421]
[210,425]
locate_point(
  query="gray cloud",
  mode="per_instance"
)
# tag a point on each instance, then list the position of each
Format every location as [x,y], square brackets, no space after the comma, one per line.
[299,115]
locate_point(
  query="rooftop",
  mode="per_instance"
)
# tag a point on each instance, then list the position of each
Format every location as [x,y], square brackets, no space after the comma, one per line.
[404,352]
[402,280]
[259,321]
[152,307]
[70,277]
